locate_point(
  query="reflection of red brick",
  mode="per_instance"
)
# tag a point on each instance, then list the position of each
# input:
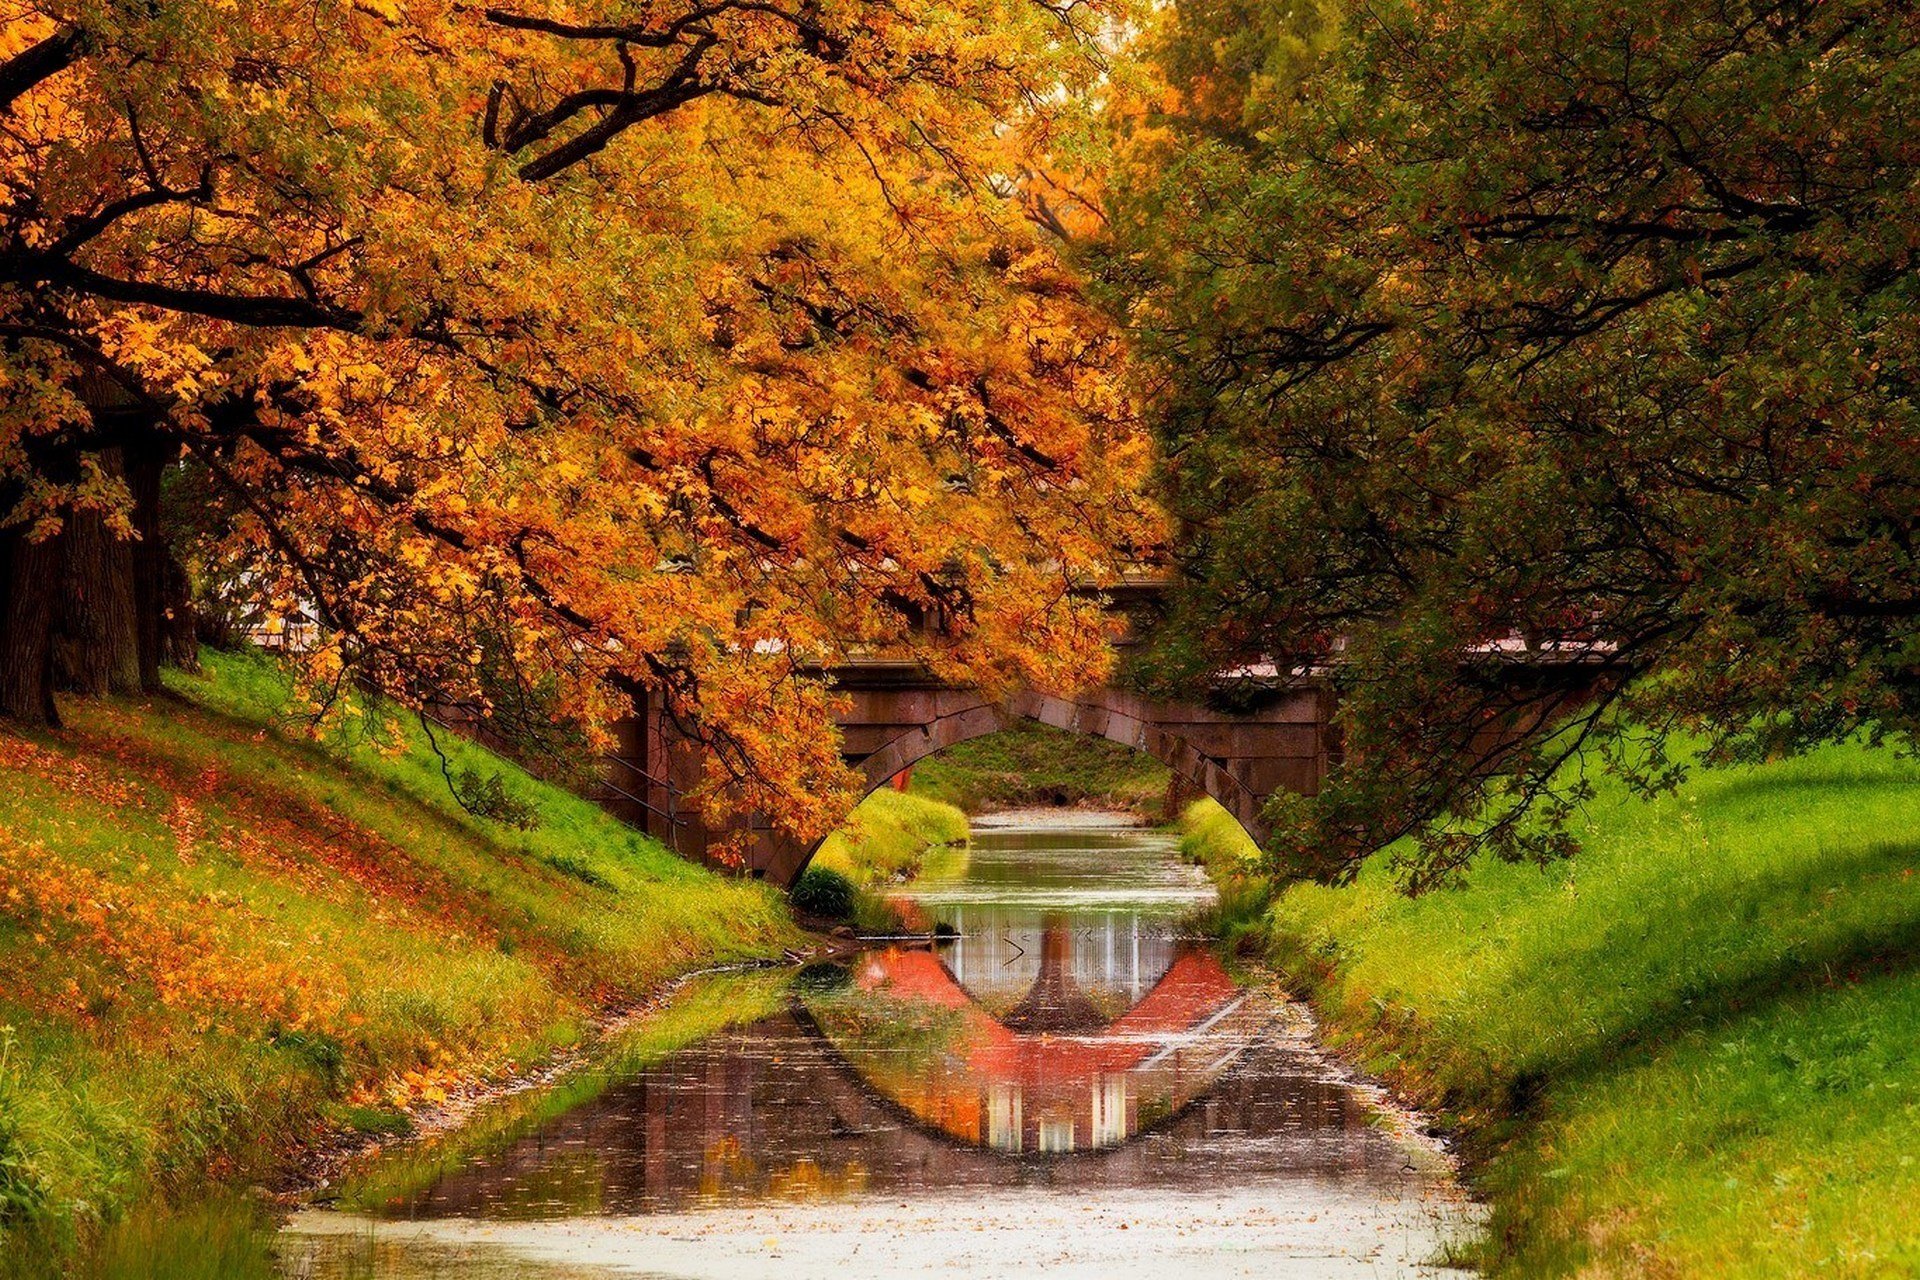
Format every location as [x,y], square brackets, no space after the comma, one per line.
[1059,1076]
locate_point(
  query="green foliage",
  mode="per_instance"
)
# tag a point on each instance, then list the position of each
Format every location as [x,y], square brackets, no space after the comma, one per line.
[1686,1052]
[1241,61]
[1037,765]
[824,892]
[22,1196]
[1582,327]
[890,838]
[323,1053]
[579,868]
[488,797]
[225,1237]
[379,1122]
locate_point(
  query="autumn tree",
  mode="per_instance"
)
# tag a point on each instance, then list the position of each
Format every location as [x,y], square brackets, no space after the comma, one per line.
[661,351]
[1496,337]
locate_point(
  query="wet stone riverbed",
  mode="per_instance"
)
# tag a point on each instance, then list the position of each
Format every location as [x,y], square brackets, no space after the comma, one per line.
[1070,1087]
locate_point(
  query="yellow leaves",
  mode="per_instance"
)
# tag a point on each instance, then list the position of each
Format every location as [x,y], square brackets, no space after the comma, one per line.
[324,664]
[431,1085]
[161,350]
[22,26]
[723,393]
[195,953]
[385,10]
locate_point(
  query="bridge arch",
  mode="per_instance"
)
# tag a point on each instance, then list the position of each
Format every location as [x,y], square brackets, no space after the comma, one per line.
[1263,736]
[1098,714]
[1257,732]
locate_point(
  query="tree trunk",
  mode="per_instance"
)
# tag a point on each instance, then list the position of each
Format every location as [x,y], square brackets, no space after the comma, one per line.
[153,565]
[88,608]
[29,581]
[96,639]
[180,625]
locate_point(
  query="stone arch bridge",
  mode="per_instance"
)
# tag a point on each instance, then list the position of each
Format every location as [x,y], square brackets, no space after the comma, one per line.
[1257,734]
[1274,739]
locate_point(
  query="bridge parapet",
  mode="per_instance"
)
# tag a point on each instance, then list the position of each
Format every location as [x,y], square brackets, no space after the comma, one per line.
[899,713]
[1270,733]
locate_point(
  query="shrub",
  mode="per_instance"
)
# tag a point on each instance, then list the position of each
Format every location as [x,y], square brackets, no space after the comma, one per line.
[572,864]
[316,1049]
[383,1122]
[487,796]
[822,891]
[21,1195]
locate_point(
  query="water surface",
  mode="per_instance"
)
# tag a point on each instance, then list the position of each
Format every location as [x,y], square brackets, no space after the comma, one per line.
[1070,1087]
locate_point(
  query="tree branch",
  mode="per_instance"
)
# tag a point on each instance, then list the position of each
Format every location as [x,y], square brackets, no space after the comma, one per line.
[39,62]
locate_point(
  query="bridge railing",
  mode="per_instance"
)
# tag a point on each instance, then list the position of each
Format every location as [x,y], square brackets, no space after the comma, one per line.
[606,790]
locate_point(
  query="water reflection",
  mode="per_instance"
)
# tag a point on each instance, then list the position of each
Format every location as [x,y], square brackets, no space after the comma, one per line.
[1054,1074]
[777,1111]
[1068,1042]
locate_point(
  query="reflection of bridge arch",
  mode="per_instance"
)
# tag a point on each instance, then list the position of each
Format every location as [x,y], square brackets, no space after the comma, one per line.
[858,1102]
[1020,1092]
[751,1113]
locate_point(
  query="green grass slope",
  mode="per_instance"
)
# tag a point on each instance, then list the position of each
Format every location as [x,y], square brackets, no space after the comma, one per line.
[886,840]
[886,837]
[1694,1051]
[221,942]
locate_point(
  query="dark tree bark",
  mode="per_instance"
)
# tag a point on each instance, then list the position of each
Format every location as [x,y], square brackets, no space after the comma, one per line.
[147,460]
[38,62]
[29,582]
[96,644]
[179,625]
[91,610]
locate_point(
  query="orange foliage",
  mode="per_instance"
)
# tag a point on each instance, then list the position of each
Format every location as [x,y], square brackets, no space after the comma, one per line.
[672,355]
[119,940]
[71,772]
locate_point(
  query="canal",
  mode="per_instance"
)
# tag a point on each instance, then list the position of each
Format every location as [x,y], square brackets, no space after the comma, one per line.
[1072,1085]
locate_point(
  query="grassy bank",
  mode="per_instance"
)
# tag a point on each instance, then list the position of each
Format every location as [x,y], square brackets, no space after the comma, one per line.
[1688,1053]
[1034,765]
[222,942]
[888,835]
[1211,838]
[886,840]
